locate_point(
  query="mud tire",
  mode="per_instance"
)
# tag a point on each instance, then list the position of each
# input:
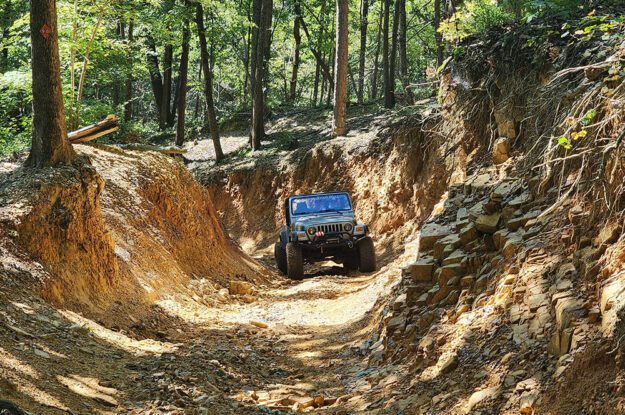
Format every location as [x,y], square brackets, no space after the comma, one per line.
[294,261]
[366,255]
[279,254]
[351,260]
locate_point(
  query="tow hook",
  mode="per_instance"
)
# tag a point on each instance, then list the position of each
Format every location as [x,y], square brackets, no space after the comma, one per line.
[350,244]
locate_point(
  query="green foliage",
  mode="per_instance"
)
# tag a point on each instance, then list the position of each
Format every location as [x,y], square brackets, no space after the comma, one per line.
[475,17]
[15,111]
[564,141]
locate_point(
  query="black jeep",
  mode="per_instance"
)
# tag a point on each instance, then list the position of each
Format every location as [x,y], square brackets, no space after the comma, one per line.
[319,227]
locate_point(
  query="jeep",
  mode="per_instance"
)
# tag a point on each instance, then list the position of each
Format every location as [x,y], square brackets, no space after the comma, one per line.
[319,227]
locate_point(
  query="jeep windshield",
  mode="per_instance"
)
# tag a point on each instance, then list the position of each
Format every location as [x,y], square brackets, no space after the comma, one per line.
[328,203]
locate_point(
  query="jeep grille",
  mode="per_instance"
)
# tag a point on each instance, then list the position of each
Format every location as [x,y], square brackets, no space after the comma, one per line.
[331,228]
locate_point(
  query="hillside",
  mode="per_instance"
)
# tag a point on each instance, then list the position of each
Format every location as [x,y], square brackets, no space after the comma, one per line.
[131,283]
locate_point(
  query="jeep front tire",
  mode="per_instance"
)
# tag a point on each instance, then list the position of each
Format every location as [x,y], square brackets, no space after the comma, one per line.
[294,261]
[280,255]
[366,254]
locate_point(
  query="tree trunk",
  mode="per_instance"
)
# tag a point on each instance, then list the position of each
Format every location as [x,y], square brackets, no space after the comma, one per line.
[386,58]
[364,23]
[168,58]
[325,68]
[128,92]
[50,145]
[265,8]
[316,85]
[401,40]
[208,82]
[376,61]
[331,84]
[437,35]
[340,69]
[182,84]
[6,32]
[393,57]
[296,59]
[155,74]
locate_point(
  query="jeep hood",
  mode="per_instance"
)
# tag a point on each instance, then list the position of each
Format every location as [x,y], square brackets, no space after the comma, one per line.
[323,218]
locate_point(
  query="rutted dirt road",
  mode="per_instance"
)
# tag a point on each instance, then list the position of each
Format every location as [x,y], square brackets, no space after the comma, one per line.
[203,360]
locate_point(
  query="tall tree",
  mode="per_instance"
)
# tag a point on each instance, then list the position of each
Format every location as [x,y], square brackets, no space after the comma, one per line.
[154,70]
[437,35]
[296,58]
[393,58]
[50,145]
[402,41]
[376,61]
[183,73]
[340,68]
[263,10]
[208,82]
[364,23]
[128,86]
[168,59]
[389,100]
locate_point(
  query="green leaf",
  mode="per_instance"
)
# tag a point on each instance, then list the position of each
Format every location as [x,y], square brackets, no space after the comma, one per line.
[590,115]
[564,142]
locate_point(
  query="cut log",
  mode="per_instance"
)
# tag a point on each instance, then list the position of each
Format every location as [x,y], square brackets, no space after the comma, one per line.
[91,132]
[94,136]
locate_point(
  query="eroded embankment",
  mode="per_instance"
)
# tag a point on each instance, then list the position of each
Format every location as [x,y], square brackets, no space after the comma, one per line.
[118,232]
[395,174]
[514,302]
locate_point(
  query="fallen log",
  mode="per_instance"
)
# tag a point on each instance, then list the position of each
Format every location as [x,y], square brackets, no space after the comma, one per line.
[109,125]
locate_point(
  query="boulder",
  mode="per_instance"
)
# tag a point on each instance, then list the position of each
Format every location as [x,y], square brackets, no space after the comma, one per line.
[421,270]
[455,257]
[452,298]
[488,223]
[430,233]
[413,293]
[445,246]
[400,302]
[445,274]
[608,234]
[567,310]
[512,246]
[468,234]
[501,150]
[241,288]
[482,396]
[478,183]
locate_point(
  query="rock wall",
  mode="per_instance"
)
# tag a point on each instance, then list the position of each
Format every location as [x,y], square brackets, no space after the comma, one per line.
[514,301]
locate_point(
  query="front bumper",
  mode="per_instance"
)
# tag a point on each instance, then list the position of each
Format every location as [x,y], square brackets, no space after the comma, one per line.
[329,241]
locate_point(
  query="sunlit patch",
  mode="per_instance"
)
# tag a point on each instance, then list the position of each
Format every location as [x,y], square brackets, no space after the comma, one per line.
[137,347]
[16,373]
[23,307]
[90,388]
[7,361]
[311,354]
[50,351]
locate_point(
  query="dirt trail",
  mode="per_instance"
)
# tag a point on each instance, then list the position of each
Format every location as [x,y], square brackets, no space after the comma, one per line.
[200,359]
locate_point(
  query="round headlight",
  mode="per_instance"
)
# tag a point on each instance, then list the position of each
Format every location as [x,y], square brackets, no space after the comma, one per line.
[312,230]
[348,227]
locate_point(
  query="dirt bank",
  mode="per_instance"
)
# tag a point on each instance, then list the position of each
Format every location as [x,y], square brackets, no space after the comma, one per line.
[123,228]
[394,170]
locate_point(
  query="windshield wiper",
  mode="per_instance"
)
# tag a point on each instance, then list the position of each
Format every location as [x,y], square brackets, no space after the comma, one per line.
[332,210]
